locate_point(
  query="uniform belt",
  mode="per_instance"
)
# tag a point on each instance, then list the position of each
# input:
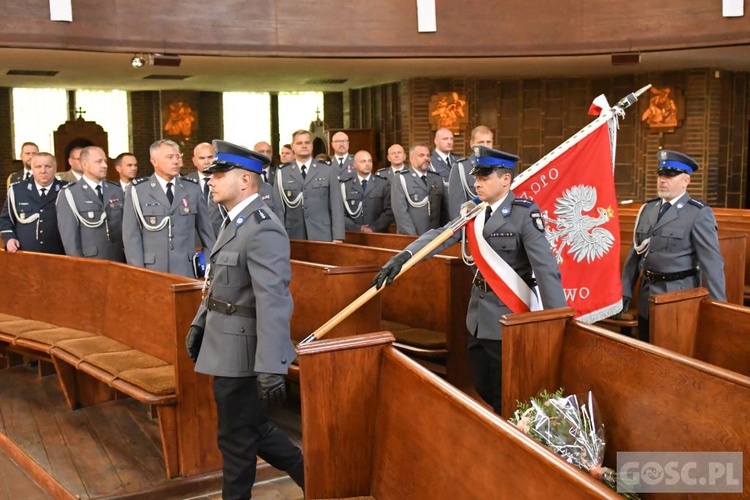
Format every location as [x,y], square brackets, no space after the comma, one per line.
[229,309]
[654,276]
[485,287]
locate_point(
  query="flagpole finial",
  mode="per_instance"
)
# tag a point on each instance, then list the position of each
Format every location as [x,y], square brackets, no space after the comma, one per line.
[630,99]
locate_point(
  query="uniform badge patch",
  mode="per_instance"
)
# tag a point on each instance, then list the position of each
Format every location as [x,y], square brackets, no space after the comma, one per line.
[505,211]
[23,216]
[91,215]
[288,193]
[538,221]
[152,220]
[239,221]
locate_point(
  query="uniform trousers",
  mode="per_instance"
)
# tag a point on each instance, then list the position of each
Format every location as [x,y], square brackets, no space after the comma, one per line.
[485,359]
[244,432]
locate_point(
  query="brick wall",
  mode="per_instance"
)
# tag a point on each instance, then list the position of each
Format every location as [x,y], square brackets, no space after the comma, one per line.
[7,165]
[333,109]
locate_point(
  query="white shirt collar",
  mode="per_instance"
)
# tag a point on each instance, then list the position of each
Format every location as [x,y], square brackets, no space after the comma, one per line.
[495,206]
[39,187]
[77,176]
[91,183]
[163,183]
[674,200]
[241,206]
[124,185]
[306,164]
[364,178]
[399,169]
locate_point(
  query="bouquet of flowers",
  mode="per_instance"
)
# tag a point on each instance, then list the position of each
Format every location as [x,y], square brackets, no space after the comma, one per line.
[571,427]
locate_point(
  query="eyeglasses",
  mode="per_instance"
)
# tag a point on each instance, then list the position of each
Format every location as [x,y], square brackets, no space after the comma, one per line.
[339,142]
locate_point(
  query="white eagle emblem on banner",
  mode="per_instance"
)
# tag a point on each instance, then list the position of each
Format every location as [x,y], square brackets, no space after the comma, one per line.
[579,232]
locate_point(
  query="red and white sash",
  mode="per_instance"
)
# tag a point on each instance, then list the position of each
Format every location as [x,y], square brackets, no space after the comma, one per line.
[503,279]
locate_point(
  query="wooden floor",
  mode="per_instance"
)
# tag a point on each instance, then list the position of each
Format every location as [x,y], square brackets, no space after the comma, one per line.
[104,451]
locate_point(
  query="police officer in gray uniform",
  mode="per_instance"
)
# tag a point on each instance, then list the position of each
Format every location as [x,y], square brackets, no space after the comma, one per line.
[514,229]
[675,242]
[240,334]
[367,197]
[417,194]
[460,181]
[89,212]
[162,214]
[308,192]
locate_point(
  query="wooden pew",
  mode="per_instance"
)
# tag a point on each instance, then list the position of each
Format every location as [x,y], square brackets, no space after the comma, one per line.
[392,241]
[650,399]
[689,323]
[115,330]
[391,430]
[322,289]
[433,296]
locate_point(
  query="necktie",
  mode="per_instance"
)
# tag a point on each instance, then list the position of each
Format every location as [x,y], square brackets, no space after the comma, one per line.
[28,176]
[304,171]
[206,190]
[364,184]
[43,193]
[424,179]
[487,214]
[448,161]
[341,163]
[664,207]
[99,193]
[170,194]
[265,176]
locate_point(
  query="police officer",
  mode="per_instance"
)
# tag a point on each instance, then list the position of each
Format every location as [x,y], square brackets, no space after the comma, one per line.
[28,150]
[240,334]
[341,158]
[89,212]
[162,214]
[308,193]
[513,229]
[460,180]
[28,220]
[675,241]
[367,197]
[417,194]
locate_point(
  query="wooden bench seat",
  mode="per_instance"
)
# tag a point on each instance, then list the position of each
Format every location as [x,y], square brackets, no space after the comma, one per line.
[689,323]
[430,300]
[392,430]
[111,331]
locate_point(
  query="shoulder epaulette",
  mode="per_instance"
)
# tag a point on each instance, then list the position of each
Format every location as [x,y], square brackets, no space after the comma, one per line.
[261,215]
[653,199]
[68,184]
[140,181]
[345,178]
[14,183]
[433,173]
[381,175]
[523,202]
[402,171]
[696,203]
[324,162]
[189,179]
[461,160]
[285,164]
[113,183]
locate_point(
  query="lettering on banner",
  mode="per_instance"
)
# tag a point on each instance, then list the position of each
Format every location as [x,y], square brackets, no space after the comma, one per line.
[544,181]
[572,294]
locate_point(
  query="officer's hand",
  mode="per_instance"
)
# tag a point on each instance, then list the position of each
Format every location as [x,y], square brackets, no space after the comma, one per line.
[271,387]
[391,269]
[625,308]
[193,342]
[12,245]
[467,207]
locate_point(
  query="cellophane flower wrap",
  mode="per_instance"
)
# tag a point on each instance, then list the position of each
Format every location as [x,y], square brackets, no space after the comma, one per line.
[571,427]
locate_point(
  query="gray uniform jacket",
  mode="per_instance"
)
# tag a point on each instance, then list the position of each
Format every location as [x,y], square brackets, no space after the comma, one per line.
[154,249]
[38,236]
[686,237]
[320,216]
[215,213]
[375,202]
[271,174]
[440,166]
[249,267]
[67,176]
[511,233]
[458,191]
[416,220]
[348,163]
[387,173]
[16,177]
[80,239]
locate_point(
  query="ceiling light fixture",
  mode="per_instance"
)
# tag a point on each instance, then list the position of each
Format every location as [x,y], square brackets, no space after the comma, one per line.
[137,61]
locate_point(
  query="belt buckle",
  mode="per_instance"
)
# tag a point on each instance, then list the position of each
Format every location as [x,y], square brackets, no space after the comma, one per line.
[231,309]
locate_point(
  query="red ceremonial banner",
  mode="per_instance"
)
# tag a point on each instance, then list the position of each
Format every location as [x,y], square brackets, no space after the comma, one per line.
[576,193]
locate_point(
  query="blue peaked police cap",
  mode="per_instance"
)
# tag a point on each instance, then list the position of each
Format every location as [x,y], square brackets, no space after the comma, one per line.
[488,159]
[229,156]
[674,163]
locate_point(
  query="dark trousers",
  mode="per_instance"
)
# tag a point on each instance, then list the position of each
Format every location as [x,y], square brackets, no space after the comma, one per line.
[485,359]
[643,327]
[244,432]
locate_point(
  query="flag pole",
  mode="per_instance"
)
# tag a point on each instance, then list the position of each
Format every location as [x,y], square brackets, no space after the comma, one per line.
[455,226]
[616,110]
